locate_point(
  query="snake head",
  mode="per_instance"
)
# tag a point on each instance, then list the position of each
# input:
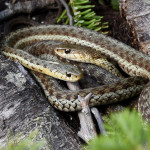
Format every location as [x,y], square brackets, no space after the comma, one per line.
[71,52]
[64,71]
[70,72]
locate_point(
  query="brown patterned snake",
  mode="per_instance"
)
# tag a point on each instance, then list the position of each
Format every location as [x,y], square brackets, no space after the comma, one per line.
[87,55]
[133,62]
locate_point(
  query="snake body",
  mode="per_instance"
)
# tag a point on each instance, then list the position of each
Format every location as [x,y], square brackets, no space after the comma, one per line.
[126,56]
[64,99]
[133,62]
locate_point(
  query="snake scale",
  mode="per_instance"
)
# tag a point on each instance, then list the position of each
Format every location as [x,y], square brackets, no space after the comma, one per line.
[131,61]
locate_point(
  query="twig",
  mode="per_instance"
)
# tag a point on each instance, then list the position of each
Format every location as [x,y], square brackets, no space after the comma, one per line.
[88,130]
[99,120]
[68,12]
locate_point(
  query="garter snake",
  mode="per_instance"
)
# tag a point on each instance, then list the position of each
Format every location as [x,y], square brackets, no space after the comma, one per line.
[86,55]
[133,62]
[95,76]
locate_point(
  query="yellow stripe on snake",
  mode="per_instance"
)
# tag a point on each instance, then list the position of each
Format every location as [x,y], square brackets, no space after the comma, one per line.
[130,60]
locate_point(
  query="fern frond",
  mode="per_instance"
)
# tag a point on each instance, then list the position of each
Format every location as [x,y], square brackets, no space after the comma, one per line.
[84,16]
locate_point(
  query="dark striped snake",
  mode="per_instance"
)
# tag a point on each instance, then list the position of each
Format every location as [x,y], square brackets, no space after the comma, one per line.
[131,61]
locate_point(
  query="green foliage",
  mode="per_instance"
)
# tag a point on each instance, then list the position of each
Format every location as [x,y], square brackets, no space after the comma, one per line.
[126,132]
[101,2]
[115,4]
[28,143]
[84,16]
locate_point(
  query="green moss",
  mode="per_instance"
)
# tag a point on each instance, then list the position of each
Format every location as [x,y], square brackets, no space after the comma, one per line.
[28,143]
[115,4]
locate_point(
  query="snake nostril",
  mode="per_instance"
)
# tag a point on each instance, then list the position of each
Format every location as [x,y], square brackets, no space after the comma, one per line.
[67,51]
[68,74]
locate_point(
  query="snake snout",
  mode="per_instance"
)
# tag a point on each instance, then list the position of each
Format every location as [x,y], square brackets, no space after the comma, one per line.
[70,53]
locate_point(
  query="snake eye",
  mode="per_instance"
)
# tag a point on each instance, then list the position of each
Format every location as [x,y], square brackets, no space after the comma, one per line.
[68,74]
[67,51]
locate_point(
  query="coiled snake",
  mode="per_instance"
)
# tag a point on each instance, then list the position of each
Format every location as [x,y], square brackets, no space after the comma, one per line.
[131,61]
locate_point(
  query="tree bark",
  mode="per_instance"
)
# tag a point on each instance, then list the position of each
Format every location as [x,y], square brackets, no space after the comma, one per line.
[24,108]
[137,15]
